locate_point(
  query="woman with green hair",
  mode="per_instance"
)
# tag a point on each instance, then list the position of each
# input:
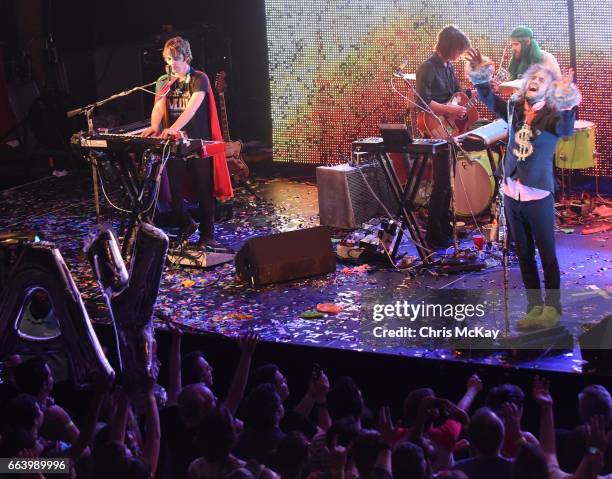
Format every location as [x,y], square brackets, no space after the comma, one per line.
[527,52]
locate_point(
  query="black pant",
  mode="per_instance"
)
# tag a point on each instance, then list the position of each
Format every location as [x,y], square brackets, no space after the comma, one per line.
[532,223]
[201,171]
[438,221]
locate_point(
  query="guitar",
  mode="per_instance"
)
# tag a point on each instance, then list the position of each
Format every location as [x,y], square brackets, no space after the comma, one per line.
[429,126]
[238,169]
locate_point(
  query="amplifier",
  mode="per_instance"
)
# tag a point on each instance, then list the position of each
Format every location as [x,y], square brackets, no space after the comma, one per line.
[345,201]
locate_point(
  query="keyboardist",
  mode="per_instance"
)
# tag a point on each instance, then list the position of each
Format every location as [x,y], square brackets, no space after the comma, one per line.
[185,102]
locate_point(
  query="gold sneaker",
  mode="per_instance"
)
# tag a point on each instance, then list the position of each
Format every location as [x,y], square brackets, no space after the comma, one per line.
[527,321]
[549,318]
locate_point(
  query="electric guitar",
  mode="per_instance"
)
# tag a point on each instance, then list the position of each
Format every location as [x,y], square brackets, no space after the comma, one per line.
[238,169]
[429,126]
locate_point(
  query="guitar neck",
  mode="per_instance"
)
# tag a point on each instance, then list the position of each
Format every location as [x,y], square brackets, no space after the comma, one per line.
[472,102]
[223,115]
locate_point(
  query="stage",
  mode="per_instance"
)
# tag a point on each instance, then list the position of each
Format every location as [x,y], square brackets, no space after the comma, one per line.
[215,302]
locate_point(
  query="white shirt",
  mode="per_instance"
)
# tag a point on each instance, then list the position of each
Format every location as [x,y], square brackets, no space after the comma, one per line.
[519,192]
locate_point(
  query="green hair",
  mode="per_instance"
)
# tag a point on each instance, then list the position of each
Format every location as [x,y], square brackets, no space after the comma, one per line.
[530,53]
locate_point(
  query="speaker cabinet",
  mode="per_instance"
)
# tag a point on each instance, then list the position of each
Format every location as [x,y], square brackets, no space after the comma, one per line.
[345,201]
[596,344]
[286,256]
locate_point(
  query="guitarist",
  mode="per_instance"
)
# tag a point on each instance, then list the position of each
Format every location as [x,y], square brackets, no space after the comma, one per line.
[435,84]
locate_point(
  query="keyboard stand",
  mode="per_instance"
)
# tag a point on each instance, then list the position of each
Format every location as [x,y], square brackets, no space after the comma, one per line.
[422,150]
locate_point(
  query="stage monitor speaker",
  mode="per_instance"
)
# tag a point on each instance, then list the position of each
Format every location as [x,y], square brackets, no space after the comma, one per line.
[286,256]
[345,201]
[596,344]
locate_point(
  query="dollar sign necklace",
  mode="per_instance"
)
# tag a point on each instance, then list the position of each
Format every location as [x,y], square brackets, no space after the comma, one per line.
[522,139]
[524,135]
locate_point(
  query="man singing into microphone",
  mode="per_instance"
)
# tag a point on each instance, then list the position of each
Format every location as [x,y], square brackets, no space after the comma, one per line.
[542,111]
[185,102]
[435,84]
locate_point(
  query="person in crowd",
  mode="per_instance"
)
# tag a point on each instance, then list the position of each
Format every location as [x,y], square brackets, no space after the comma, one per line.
[193,368]
[262,433]
[180,423]
[592,461]
[498,400]
[486,435]
[291,457]
[593,400]
[298,418]
[439,420]
[216,439]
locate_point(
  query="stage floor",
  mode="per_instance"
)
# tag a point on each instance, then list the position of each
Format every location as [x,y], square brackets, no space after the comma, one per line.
[214,301]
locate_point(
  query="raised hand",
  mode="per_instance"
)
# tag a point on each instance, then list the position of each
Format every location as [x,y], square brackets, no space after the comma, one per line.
[248,343]
[319,387]
[512,421]
[474,56]
[474,383]
[541,391]
[385,425]
[567,78]
[596,433]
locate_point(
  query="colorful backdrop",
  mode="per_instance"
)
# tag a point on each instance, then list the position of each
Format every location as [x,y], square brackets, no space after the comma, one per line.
[331,62]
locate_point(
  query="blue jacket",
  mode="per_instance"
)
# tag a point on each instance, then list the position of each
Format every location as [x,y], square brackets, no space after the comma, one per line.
[547,127]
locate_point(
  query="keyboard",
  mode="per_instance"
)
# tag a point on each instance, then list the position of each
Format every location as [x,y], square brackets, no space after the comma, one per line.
[133,143]
[376,144]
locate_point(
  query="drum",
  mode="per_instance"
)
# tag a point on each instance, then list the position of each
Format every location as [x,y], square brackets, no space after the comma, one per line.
[577,151]
[474,184]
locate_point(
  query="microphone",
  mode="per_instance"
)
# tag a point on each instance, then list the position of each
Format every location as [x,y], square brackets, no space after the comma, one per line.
[169,71]
[514,97]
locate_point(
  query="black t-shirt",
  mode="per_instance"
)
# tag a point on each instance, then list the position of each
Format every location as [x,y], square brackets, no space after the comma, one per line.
[179,95]
[436,80]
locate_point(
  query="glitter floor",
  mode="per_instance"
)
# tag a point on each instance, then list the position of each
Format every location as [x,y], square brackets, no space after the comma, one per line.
[214,301]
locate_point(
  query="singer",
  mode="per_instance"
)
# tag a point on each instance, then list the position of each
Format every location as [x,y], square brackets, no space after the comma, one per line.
[185,102]
[543,110]
[435,84]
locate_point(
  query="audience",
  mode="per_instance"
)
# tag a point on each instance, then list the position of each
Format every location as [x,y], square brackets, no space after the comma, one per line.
[196,436]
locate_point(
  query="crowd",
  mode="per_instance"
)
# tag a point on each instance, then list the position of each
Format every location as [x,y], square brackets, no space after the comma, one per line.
[183,430]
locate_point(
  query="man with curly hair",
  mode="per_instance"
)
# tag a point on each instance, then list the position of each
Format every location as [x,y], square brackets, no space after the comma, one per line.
[541,112]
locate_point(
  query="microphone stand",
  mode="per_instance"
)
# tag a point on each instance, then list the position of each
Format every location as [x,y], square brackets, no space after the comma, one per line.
[87,110]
